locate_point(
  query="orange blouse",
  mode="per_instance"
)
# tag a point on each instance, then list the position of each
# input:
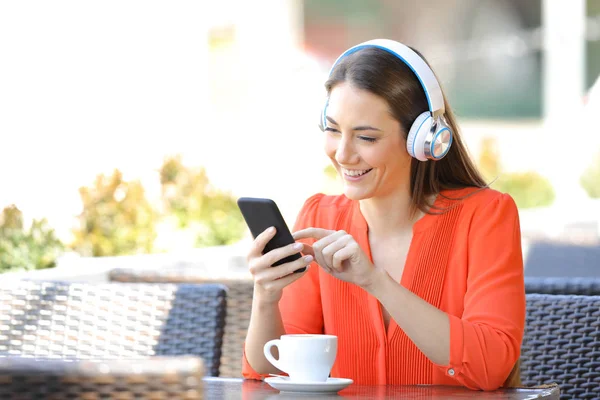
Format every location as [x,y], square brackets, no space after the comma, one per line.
[467,262]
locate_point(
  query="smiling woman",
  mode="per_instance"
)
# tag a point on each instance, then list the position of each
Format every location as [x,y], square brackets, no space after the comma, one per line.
[388,105]
[409,263]
[366,145]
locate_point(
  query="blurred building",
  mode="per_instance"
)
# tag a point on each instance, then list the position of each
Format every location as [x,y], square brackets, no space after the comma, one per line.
[513,70]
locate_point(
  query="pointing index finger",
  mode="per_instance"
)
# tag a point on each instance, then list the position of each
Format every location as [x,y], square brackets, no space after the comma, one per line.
[314,233]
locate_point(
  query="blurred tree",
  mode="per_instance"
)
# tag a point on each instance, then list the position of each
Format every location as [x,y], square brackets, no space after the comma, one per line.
[330,172]
[26,249]
[212,214]
[12,218]
[223,220]
[489,160]
[183,190]
[590,180]
[528,189]
[332,184]
[117,219]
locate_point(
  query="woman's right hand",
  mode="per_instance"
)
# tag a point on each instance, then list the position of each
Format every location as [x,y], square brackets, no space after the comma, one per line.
[269,281]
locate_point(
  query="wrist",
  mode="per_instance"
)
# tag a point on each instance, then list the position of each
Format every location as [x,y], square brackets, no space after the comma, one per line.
[376,281]
[264,303]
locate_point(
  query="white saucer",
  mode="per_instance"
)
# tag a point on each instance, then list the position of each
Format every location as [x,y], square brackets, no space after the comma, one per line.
[332,385]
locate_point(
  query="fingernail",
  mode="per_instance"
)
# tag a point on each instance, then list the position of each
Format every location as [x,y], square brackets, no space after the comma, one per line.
[298,246]
[308,259]
[271,229]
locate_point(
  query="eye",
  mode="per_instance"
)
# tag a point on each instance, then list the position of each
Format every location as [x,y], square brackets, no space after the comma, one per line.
[329,129]
[368,139]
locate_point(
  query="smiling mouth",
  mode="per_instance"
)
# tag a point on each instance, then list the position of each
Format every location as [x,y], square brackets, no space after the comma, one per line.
[356,173]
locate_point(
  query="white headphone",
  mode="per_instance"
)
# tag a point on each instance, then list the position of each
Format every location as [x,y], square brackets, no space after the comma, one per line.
[429,137]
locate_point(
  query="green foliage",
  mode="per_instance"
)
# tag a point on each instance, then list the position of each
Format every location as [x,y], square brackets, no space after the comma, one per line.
[330,172]
[590,180]
[489,160]
[187,195]
[529,189]
[183,190]
[26,249]
[222,219]
[117,219]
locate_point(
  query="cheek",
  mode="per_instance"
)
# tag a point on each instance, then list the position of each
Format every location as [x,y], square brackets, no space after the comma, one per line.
[386,156]
[377,156]
[404,157]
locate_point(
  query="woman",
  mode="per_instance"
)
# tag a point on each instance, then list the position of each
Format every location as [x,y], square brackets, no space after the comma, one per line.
[417,267]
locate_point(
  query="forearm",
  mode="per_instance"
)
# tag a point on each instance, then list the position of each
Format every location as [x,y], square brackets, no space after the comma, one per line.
[265,324]
[427,326]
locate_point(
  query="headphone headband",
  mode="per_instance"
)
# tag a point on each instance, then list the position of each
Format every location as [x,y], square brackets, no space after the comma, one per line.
[431,86]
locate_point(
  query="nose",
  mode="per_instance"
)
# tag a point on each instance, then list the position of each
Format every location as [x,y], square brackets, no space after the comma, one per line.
[345,153]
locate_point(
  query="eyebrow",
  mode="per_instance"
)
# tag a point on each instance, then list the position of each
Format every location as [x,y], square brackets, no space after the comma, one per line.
[356,128]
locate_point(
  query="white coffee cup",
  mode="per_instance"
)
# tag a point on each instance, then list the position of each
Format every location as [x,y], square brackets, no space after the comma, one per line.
[305,358]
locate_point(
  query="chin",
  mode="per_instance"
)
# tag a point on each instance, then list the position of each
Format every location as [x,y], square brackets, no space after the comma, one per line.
[354,194]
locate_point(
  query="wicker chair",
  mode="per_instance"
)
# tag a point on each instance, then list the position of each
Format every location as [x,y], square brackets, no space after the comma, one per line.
[562,285]
[562,344]
[239,305]
[112,321]
[157,378]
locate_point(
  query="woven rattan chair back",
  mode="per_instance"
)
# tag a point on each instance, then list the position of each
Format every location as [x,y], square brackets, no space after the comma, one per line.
[563,285]
[562,344]
[239,305]
[112,321]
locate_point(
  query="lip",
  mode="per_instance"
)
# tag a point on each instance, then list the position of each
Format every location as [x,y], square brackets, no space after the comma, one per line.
[356,178]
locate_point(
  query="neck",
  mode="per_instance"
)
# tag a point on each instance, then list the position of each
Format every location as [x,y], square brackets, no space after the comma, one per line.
[389,215]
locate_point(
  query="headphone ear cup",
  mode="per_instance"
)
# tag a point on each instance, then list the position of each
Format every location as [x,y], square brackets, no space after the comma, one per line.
[441,142]
[417,134]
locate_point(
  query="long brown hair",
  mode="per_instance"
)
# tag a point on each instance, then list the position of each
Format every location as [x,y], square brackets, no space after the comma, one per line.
[386,76]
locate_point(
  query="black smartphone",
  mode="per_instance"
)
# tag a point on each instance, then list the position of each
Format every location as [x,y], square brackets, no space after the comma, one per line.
[261,214]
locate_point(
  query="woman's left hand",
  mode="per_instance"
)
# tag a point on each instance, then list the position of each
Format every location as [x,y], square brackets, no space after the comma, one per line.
[338,253]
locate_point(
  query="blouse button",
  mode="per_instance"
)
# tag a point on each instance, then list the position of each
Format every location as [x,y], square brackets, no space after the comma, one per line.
[451,372]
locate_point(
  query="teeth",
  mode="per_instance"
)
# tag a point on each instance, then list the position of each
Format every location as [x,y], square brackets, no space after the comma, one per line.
[355,172]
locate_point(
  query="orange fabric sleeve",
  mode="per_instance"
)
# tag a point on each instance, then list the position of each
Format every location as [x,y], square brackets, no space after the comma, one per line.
[300,304]
[485,343]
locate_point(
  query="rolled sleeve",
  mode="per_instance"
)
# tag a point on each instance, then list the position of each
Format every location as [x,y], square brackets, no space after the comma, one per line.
[247,371]
[485,341]
[454,366]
